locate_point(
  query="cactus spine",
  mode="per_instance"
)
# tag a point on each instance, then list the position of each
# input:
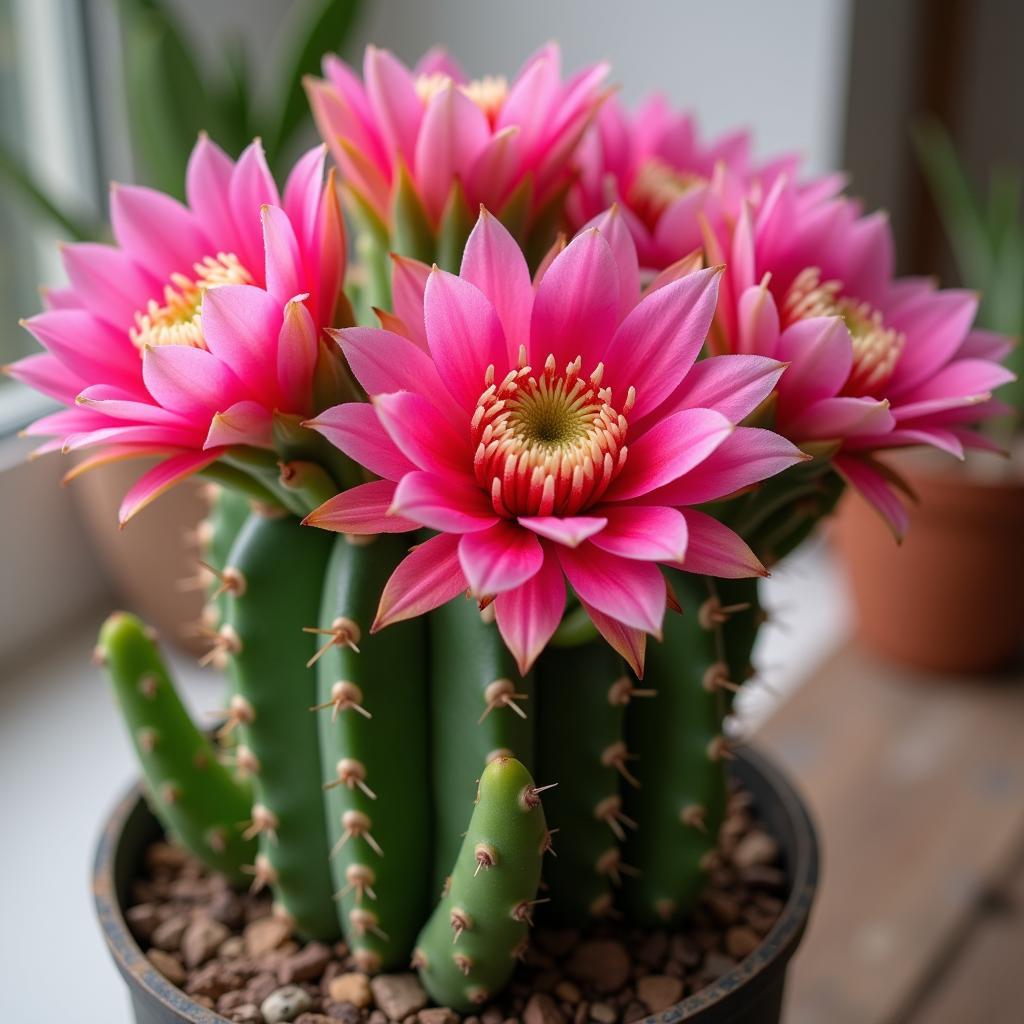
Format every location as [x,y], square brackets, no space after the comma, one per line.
[373,721]
[478,696]
[279,567]
[192,792]
[582,695]
[468,949]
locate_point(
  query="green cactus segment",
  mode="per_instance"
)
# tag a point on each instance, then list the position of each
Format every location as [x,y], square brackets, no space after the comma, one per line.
[193,795]
[480,706]
[468,949]
[744,617]
[582,694]
[279,568]
[681,759]
[229,509]
[373,721]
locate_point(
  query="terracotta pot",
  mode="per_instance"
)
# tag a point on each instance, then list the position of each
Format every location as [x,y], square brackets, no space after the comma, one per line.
[751,993]
[150,558]
[951,597]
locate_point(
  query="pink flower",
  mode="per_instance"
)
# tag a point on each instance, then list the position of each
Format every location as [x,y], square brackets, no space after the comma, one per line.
[875,362]
[500,142]
[185,335]
[548,431]
[665,179]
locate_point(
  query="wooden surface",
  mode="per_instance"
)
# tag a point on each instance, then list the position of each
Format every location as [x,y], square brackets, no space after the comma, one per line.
[917,785]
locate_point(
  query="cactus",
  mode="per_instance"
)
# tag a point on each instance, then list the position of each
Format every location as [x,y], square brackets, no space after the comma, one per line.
[478,695]
[468,949]
[192,793]
[583,693]
[681,799]
[373,719]
[278,568]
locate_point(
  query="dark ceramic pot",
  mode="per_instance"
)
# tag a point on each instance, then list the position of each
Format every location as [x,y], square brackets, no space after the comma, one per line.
[751,993]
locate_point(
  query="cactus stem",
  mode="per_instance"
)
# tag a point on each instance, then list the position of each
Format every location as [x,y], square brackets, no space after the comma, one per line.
[419,960]
[665,909]
[695,816]
[148,685]
[99,656]
[622,691]
[263,873]
[713,613]
[148,739]
[530,796]
[342,633]
[463,963]
[216,840]
[502,694]
[351,773]
[609,810]
[460,922]
[359,879]
[523,910]
[170,793]
[200,581]
[247,763]
[355,823]
[263,820]
[615,755]
[344,695]
[364,922]
[610,864]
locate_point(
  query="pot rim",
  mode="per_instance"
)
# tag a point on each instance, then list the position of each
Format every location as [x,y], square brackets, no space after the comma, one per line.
[778,945]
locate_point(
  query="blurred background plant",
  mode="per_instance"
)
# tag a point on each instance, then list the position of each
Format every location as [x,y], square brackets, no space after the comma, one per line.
[171,96]
[985,230]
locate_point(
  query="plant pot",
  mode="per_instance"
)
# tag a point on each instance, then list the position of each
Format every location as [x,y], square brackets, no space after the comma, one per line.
[951,597]
[750,993]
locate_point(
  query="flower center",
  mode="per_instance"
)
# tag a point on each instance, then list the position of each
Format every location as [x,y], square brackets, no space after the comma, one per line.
[550,443]
[177,321]
[656,186]
[488,93]
[876,347]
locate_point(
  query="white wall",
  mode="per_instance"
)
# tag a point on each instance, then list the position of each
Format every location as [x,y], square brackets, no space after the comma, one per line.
[777,66]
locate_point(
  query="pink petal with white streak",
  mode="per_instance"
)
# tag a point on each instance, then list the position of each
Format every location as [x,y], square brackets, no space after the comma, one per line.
[361,510]
[528,615]
[428,577]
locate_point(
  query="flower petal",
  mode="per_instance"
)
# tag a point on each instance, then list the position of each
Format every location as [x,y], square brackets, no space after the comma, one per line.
[629,642]
[528,615]
[452,504]
[498,559]
[464,335]
[245,422]
[424,579]
[715,550]
[162,478]
[423,434]
[646,532]
[494,262]
[296,357]
[285,273]
[577,304]
[252,187]
[627,590]
[820,353]
[656,345]
[356,429]
[392,92]
[732,385]
[569,530]
[361,510]
[189,380]
[671,448]
[876,490]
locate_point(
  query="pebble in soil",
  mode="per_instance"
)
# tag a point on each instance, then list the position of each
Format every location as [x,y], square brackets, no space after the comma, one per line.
[231,954]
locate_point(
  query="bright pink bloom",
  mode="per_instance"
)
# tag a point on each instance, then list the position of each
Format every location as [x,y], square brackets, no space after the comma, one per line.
[550,430]
[490,136]
[200,321]
[665,179]
[875,362]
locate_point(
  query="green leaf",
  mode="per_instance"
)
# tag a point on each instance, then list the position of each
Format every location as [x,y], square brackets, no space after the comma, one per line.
[168,100]
[19,179]
[958,208]
[327,29]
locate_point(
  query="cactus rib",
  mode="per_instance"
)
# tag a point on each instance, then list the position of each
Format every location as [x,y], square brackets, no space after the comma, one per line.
[373,722]
[282,565]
